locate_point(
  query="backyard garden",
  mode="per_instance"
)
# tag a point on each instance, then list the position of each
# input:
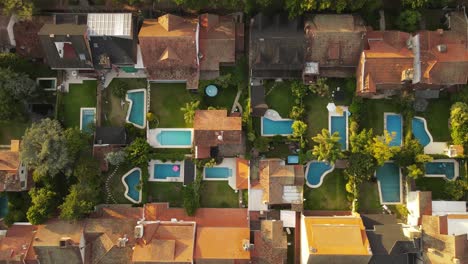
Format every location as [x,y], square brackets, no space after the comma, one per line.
[78,96]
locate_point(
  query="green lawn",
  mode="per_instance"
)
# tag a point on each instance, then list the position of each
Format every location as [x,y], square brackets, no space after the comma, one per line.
[369,201]
[116,186]
[437,115]
[224,99]
[218,194]
[348,86]
[373,116]
[435,185]
[278,96]
[331,195]
[166,101]
[12,130]
[170,192]
[278,151]
[316,115]
[79,95]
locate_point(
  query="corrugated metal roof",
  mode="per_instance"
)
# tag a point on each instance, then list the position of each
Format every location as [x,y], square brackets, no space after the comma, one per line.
[117,25]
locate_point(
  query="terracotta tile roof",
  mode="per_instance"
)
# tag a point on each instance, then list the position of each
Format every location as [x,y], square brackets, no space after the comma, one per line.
[325,236]
[217,41]
[204,217]
[270,243]
[9,161]
[209,125]
[14,246]
[166,242]
[50,233]
[222,243]
[121,212]
[27,40]
[242,174]
[169,50]
[275,177]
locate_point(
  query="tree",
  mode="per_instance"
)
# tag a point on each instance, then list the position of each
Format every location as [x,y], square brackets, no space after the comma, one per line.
[298,7]
[22,8]
[44,148]
[78,203]
[8,107]
[459,123]
[116,157]
[189,111]
[381,149]
[76,142]
[408,152]
[87,171]
[298,89]
[191,203]
[328,146]
[320,87]
[415,3]
[409,20]
[43,204]
[18,85]
[361,142]
[456,189]
[361,166]
[296,112]
[414,171]
[138,152]
[299,128]
[262,144]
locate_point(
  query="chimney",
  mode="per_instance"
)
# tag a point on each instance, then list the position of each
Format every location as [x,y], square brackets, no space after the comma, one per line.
[442,48]
[122,241]
[64,242]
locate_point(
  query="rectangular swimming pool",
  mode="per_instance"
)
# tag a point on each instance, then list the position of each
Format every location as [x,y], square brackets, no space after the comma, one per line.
[338,124]
[218,173]
[276,127]
[440,169]
[87,119]
[174,137]
[389,180]
[163,171]
[137,109]
[394,126]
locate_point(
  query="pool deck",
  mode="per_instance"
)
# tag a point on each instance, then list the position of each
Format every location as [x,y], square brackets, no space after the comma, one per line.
[81,115]
[321,178]
[152,139]
[401,128]
[336,113]
[131,104]
[274,116]
[432,147]
[167,179]
[380,188]
[127,188]
[456,168]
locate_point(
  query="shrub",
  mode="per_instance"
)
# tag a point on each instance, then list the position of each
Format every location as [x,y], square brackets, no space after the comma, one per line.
[262,144]
[459,123]
[296,112]
[119,88]
[356,108]
[409,20]
[320,87]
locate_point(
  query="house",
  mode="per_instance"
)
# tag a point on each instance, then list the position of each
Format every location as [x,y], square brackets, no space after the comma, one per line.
[242,174]
[333,46]
[213,129]
[27,40]
[219,37]
[113,39]
[276,47]
[106,140]
[278,184]
[270,243]
[15,243]
[391,242]
[215,235]
[14,175]
[7,37]
[169,48]
[334,239]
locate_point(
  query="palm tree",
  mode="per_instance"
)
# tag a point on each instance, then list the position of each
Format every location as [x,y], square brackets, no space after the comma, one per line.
[189,111]
[328,146]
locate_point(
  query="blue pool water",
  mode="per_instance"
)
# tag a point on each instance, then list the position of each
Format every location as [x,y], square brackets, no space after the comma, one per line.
[419,132]
[3,205]
[137,112]
[87,119]
[132,180]
[272,128]
[175,137]
[293,159]
[218,173]
[162,171]
[316,172]
[394,126]
[338,124]
[441,168]
[389,177]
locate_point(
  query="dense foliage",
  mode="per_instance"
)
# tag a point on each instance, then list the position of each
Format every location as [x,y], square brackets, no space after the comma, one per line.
[459,123]
[328,147]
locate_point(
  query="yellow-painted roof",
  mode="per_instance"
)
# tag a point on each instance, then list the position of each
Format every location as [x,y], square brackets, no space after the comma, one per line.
[337,236]
[15,145]
[222,243]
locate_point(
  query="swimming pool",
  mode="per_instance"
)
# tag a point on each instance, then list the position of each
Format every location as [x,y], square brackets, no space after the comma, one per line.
[131,181]
[137,110]
[293,159]
[316,171]
[163,171]
[87,118]
[389,182]
[276,127]
[217,173]
[393,124]
[338,124]
[420,131]
[174,137]
[442,168]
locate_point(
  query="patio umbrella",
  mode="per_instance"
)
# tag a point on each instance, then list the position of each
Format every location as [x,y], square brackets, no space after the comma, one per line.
[331,107]
[175,168]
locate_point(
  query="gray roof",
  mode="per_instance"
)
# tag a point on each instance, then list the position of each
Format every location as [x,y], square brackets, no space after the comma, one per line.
[276,47]
[110,135]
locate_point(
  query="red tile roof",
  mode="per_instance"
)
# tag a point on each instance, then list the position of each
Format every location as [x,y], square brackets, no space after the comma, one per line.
[211,125]
[14,246]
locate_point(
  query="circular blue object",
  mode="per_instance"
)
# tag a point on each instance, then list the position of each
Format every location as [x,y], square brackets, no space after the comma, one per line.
[211,90]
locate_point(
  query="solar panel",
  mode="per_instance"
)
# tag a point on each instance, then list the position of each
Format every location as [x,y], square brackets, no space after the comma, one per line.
[117,25]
